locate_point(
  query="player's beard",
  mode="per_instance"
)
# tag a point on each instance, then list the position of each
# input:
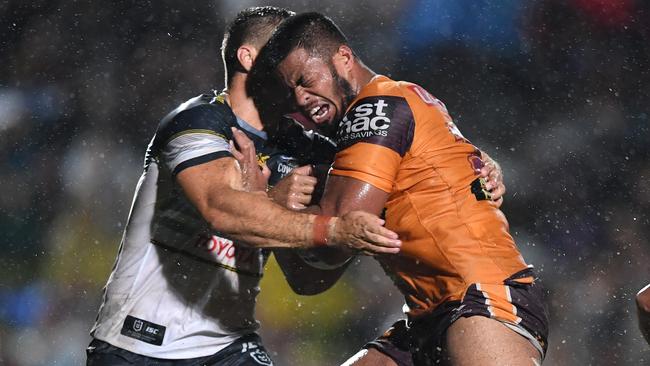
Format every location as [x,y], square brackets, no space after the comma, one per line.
[343,88]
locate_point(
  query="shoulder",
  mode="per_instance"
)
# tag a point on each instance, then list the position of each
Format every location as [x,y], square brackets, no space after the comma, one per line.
[380,115]
[201,114]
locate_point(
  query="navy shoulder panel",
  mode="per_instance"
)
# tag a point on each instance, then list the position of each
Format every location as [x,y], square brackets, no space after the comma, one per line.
[199,113]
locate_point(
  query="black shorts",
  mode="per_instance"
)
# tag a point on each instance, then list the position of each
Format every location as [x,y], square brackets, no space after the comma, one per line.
[246,351]
[517,303]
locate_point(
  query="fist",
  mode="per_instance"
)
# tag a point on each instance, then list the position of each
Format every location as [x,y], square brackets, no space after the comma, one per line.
[294,191]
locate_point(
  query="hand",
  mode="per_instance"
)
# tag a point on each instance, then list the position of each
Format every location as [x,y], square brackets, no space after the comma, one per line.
[255,177]
[294,191]
[493,175]
[364,232]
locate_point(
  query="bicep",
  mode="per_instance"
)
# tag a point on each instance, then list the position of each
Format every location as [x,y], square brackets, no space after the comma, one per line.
[344,194]
[361,178]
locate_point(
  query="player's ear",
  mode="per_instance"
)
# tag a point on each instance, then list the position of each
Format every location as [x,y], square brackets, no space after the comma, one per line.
[344,57]
[343,60]
[246,55]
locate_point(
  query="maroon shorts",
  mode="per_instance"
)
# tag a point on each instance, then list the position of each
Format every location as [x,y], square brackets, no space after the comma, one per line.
[517,302]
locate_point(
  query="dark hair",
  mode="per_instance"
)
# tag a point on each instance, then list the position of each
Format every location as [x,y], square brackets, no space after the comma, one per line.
[315,33]
[254,26]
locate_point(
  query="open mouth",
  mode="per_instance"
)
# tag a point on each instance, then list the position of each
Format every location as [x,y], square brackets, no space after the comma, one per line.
[319,113]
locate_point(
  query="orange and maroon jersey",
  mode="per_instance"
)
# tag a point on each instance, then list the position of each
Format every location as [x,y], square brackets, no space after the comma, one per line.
[400,139]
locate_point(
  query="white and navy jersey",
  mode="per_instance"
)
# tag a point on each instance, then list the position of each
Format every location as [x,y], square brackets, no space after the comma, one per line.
[177,289]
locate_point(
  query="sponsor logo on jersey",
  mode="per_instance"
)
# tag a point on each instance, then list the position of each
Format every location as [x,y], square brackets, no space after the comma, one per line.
[143,330]
[365,120]
[280,166]
[226,254]
[284,169]
[382,120]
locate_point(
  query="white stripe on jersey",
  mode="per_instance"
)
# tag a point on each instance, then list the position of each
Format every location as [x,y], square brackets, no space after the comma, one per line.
[192,144]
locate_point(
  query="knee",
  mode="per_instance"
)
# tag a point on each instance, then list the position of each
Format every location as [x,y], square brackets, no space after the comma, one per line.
[643,299]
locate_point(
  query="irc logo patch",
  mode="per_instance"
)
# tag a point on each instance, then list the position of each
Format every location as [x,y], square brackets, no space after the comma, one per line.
[381,120]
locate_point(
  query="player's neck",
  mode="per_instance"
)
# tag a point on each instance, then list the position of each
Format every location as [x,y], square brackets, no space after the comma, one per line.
[242,105]
[361,76]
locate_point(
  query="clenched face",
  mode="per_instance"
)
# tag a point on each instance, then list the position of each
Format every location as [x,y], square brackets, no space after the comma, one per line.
[320,92]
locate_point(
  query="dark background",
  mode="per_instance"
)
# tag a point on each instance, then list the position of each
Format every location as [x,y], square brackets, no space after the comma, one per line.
[557,91]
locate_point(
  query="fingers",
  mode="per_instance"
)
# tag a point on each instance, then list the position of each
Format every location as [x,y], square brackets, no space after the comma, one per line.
[373,250]
[499,202]
[303,170]
[236,153]
[493,180]
[488,168]
[266,172]
[391,237]
[254,175]
[498,192]
[301,184]
[303,198]
[493,176]
[246,146]
[299,199]
[381,244]
[304,183]
[295,206]
[373,237]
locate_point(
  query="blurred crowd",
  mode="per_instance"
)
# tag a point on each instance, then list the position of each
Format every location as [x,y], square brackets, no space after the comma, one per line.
[557,91]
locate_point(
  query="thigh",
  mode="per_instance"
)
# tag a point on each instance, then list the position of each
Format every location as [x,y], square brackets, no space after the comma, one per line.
[479,340]
[500,322]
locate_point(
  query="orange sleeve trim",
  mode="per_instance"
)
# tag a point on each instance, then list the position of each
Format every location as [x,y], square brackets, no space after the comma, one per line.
[374,181]
[370,163]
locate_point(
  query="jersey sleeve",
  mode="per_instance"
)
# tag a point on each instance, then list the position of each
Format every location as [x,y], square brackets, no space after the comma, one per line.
[194,136]
[372,139]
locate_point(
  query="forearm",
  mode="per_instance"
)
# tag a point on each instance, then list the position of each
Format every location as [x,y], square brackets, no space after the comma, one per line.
[215,189]
[253,219]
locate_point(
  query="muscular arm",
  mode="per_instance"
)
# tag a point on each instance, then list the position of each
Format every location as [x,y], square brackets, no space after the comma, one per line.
[342,195]
[215,189]
[345,194]
[305,279]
